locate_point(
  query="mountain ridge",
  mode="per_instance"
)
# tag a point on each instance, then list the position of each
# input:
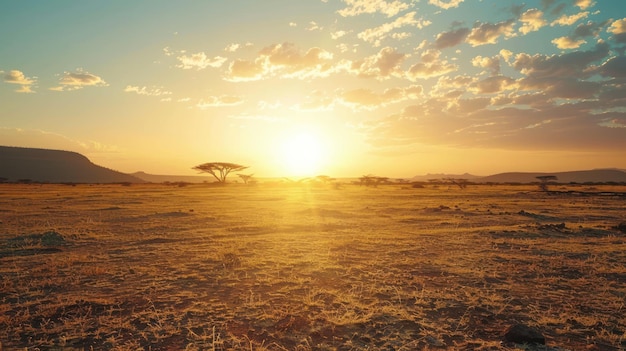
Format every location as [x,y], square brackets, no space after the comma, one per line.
[582,176]
[55,166]
[58,166]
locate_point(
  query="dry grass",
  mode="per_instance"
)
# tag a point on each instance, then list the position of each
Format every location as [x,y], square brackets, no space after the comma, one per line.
[153,267]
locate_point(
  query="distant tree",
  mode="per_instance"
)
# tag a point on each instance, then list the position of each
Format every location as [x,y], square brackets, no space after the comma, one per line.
[219,170]
[370,180]
[544,181]
[461,183]
[245,177]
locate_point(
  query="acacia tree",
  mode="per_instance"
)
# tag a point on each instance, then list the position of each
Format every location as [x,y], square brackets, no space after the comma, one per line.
[245,177]
[370,180]
[543,186]
[219,170]
[460,182]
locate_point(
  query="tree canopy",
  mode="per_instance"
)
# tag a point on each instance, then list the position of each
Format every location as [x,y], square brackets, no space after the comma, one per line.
[219,170]
[544,181]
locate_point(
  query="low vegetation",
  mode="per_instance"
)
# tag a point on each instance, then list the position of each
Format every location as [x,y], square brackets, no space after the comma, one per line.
[155,267]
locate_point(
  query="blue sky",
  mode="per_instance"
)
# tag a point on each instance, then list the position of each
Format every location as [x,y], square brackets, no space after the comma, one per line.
[388,87]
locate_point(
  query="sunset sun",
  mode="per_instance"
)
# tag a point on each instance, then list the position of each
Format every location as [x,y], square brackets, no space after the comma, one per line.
[302,154]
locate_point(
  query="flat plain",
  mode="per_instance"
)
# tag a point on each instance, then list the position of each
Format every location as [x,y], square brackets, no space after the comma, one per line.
[276,267]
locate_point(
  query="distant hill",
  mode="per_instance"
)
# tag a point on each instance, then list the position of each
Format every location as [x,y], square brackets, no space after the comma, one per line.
[424,178]
[590,176]
[154,178]
[55,166]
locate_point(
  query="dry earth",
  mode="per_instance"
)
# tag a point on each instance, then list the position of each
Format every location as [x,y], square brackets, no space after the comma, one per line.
[156,267]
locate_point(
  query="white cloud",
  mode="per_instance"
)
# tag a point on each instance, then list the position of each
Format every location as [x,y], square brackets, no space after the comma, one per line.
[567,43]
[386,7]
[232,47]
[78,80]
[584,4]
[430,66]
[219,101]
[618,26]
[488,33]
[199,61]
[383,65]
[532,20]
[377,34]
[18,77]
[446,4]
[283,60]
[148,91]
[565,20]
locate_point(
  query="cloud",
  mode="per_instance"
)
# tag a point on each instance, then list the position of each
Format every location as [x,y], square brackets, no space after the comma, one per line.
[471,122]
[78,80]
[359,7]
[243,70]
[313,26]
[430,66]
[584,4]
[493,85]
[219,101]
[532,20]
[589,29]
[317,100]
[291,62]
[232,47]
[377,34]
[282,60]
[199,61]
[565,20]
[568,43]
[558,66]
[148,91]
[18,77]
[451,38]
[338,34]
[488,33]
[614,67]
[383,65]
[492,64]
[369,100]
[575,39]
[558,104]
[446,4]
[618,28]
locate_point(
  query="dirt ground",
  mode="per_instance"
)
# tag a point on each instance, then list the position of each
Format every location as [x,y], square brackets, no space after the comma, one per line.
[270,267]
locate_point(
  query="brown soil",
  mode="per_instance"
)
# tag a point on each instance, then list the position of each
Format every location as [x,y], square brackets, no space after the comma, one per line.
[156,267]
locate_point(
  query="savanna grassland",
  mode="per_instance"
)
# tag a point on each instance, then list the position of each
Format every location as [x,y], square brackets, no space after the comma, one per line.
[156,267]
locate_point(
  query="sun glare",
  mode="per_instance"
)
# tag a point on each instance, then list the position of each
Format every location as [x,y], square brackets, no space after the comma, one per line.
[303,154]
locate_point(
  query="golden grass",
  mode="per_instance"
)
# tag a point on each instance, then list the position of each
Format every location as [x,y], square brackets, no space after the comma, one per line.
[155,267]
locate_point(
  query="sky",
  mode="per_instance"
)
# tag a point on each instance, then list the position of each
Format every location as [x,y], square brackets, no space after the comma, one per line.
[297,88]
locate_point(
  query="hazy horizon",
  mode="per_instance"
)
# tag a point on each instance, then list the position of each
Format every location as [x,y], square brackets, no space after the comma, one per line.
[340,87]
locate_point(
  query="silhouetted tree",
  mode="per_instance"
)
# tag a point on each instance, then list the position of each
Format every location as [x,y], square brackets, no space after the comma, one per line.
[219,170]
[370,180]
[245,177]
[544,180]
[461,183]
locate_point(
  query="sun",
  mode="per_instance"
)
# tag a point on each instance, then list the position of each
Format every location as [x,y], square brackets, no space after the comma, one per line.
[303,154]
